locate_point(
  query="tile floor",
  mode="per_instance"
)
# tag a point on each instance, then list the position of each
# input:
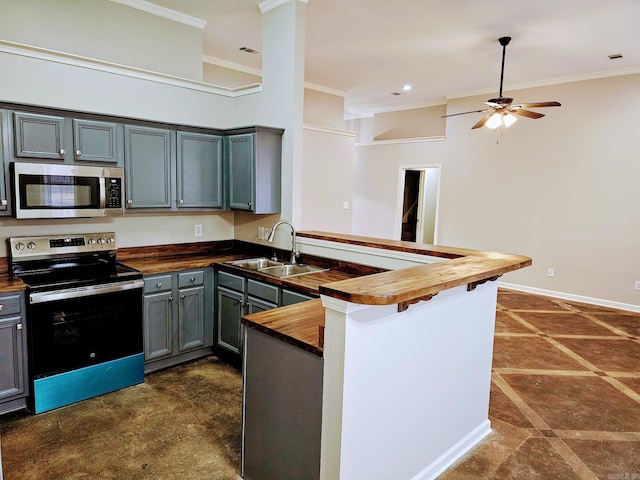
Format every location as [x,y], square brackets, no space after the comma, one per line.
[565,396]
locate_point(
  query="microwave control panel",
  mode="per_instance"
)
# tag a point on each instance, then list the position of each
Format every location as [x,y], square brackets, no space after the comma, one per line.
[113,187]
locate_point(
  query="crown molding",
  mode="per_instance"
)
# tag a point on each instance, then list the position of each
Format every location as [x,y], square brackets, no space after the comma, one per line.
[231,65]
[163,12]
[123,70]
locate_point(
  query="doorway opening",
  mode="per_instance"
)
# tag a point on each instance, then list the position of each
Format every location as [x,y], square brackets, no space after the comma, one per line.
[418,204]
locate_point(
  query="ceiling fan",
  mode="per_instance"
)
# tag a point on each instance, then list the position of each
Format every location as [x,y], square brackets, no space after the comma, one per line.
[503,111]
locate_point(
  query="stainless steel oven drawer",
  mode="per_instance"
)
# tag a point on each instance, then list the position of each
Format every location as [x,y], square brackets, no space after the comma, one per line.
[157,283]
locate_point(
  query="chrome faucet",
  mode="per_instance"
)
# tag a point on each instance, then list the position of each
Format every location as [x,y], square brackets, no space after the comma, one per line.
[294,252]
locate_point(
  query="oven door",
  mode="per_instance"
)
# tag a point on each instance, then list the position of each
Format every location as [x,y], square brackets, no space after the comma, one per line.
[78,327]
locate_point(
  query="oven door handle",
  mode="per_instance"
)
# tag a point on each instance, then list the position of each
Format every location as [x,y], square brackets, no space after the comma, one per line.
[90,290]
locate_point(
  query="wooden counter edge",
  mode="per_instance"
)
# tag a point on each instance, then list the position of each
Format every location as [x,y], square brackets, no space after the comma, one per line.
[298,324]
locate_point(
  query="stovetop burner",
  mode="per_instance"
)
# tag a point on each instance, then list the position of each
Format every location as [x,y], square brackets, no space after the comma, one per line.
[48,263]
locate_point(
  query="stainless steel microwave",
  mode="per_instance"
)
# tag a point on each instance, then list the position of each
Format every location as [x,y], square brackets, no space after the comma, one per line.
[45,190]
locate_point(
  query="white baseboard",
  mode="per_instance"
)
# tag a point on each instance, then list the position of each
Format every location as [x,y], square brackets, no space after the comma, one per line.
[448,458]
[570,296]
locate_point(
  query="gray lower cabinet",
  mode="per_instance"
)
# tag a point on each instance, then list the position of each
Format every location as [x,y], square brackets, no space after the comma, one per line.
[13,353]
[282,410]
[51,137]
[237,296]
[254,158]
[178,317]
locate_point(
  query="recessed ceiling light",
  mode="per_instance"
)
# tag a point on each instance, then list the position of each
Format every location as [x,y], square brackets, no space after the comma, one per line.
[407,87]
[615,56]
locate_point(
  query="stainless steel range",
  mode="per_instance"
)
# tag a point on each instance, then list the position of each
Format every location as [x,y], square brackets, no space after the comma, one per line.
[84,317]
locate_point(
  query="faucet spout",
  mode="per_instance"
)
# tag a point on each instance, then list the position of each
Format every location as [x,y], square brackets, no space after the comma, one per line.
[294,252]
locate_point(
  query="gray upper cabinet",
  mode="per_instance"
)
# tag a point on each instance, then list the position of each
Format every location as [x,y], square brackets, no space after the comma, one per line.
[199,170]
[254,158]
[52,137]
[39,136]
[4,166]
[149,159]
[95,141]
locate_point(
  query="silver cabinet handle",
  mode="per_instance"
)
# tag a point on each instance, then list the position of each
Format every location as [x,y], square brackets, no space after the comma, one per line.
[78,153]
[159,285]
[180,201]
[3,202]
[129,202]
[193,279]
[182,297]
[18,326]
[62,151]
[1,307]
[171,298]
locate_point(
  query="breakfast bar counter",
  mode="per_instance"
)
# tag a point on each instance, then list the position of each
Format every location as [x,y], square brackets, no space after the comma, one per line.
[408,350]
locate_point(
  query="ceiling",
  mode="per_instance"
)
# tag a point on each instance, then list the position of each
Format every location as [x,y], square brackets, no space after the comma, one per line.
[368,49]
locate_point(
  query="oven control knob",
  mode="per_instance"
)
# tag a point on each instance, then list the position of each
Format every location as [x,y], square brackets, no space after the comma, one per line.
[19,246]
[101,241]
[111,241]
[91,242]
[31,245]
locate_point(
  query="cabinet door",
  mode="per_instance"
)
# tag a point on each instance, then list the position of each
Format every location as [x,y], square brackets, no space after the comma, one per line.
[199,171]
[191,318]
[95,141]
[230,311]
[148,159]
[39,136]
[241,172]
[158,335]
[4,165]
[12,366]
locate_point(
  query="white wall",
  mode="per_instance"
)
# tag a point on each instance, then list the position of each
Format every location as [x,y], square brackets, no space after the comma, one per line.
[562,189]
[107,31]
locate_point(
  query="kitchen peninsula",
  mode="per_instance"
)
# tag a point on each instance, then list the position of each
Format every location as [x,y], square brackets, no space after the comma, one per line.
[388,376]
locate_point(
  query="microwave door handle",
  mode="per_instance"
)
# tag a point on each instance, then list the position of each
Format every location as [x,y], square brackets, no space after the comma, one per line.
[103,194]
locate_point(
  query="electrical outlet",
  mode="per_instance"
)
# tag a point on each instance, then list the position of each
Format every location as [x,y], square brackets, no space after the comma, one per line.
[345,205]
[637,287]
[197,230]
[261,233]
[551,272]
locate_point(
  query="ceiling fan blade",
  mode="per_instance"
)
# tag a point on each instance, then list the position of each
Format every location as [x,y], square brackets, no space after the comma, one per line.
[464,113]
[483,120]
[493,104]
[539,105]
[527,113]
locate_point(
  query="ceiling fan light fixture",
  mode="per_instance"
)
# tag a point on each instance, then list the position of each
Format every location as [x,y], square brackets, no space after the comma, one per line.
[509,119]
[494,121]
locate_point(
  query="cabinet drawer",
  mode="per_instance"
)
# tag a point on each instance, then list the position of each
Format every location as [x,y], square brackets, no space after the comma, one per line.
[231,281]
[9,305]
[289,297]
[263,290]
[158,283]
[189,279]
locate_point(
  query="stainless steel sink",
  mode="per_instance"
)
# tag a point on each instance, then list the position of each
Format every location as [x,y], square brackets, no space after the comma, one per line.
[282,271]
[255,263]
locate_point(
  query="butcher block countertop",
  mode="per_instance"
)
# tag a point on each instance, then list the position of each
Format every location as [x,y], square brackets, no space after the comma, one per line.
[300,324]
[403,287]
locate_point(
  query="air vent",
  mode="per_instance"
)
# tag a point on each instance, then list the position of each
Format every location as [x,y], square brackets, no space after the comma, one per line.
[250,50]
[396,93]
[615,56]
